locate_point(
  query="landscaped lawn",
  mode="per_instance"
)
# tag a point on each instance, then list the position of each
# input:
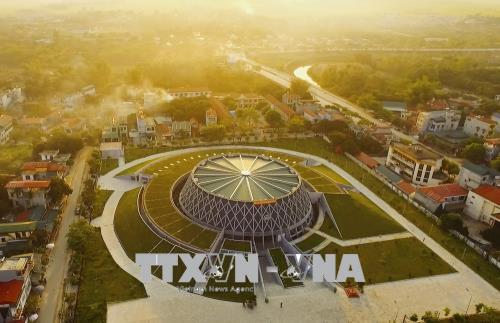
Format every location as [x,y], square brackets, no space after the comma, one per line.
[132,170]
[393,260]
[237,245]
[310,242]
[321,148]
[101,198]
[103,281]
[12,157]
[330,174]
[108,165]
[133,153]
[358,217]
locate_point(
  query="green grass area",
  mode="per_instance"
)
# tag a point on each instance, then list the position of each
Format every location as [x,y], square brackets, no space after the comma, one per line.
[13,156]
[330,174]
[321,148]
[320,182]
[393,260]
[103,281]
[358,217]
[280,261]
[237,245]
[101,198]
[108,165]
[132,170]
[133,153]
[310,242]
[229,290]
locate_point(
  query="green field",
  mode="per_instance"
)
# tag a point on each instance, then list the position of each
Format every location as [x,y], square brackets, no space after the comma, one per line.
[280,261]
[318,181]
[132,170]
[393,260]
[108,165]
[358,217]
[103,281]
[12,157]
[101,198]
[310,242]
[133,153]
[237,245]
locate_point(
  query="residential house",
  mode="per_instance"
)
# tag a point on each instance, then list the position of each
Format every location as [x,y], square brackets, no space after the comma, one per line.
[472,176]
[483,204]
[442,198]
[27,194]
[110,134]
[406,189]
[396,107]
[416,163]
[42,170]
[48,155]
[284,110]
[220,109]
[310,115]
[113,150]
[210,117]
[12,232]
[15,286]
[367,160]
[472,103]
[382,134]
[437,105]
[181,129]
[6,127]
[248,100]
[141,128]
[290,99]
[478,126]
[11,97]
[436,121]
[312,105]
[492,146]
[188,92]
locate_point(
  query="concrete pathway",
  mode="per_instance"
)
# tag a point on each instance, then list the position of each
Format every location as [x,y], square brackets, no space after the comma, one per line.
[380,303]
[354,242]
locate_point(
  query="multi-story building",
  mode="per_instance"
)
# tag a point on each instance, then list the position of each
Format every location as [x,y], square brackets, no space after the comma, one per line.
[472,176]
[11,97]
[483,204]
[479,126]
[188,92]
[248,100]
[436,121]
[290,99]
[48,155]
[415,163]
[210,117]
[42,170]
[28,194]
[181,129]
[6,126]
[15,286]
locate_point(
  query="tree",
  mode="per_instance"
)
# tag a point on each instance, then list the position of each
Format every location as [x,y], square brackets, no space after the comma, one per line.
[368,101]
[300,87]
[450,167]
[414,317]
[488,107]
[274,119]
[326,126]
[296,125]
[58,189]
[495,164]
[430,317]
[453,221]
[421,91]
[214,132]
[78,236]
[475,152]
[492,235]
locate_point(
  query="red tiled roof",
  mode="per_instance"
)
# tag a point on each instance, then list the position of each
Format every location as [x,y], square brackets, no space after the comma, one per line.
[406,187]
[10,291]
[367,160]
[28,184]
[493,141]
[490,193]
[280,105]
[43,166]
[440,192]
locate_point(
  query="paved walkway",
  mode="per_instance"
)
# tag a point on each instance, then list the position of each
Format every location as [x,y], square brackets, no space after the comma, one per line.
[354,242]
[384,302]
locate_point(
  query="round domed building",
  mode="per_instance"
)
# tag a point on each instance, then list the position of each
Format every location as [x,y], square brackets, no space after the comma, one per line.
[247,197]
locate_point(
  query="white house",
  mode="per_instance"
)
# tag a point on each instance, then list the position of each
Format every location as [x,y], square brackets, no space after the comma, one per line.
[112,150]
[188,93]
[48,155]
[479,126]
[483,204]
[28,194]
[15,285]
[436,121]
[6,126]
[473,175]
[210,117]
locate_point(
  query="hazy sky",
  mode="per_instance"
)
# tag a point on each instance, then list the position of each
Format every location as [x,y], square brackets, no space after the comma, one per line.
[288,7]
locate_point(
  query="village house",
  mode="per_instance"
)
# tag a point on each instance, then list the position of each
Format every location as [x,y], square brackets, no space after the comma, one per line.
[15,285]
[437,121]
[210,117]
[112,150]
[483,204]
[478,126]
[284,110]
[48,155]
[28,194]
[492,146]
[473,175]
[12,233]
[396,107]
[441,198]
[42,170]
[248,100]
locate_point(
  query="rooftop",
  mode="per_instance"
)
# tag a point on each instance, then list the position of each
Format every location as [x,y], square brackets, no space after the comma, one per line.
[406,187]
[49,152]
[490,193]
[441,192]
[14,264]
[42,166]
[246,178]
[416,151]
[480,169]
[10,291]
[394,106]
[105,146]
[28,184]
[280,105]
[367,160]
[17,227]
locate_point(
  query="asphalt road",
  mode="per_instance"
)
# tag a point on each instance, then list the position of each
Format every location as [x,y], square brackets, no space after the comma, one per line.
[59,257]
